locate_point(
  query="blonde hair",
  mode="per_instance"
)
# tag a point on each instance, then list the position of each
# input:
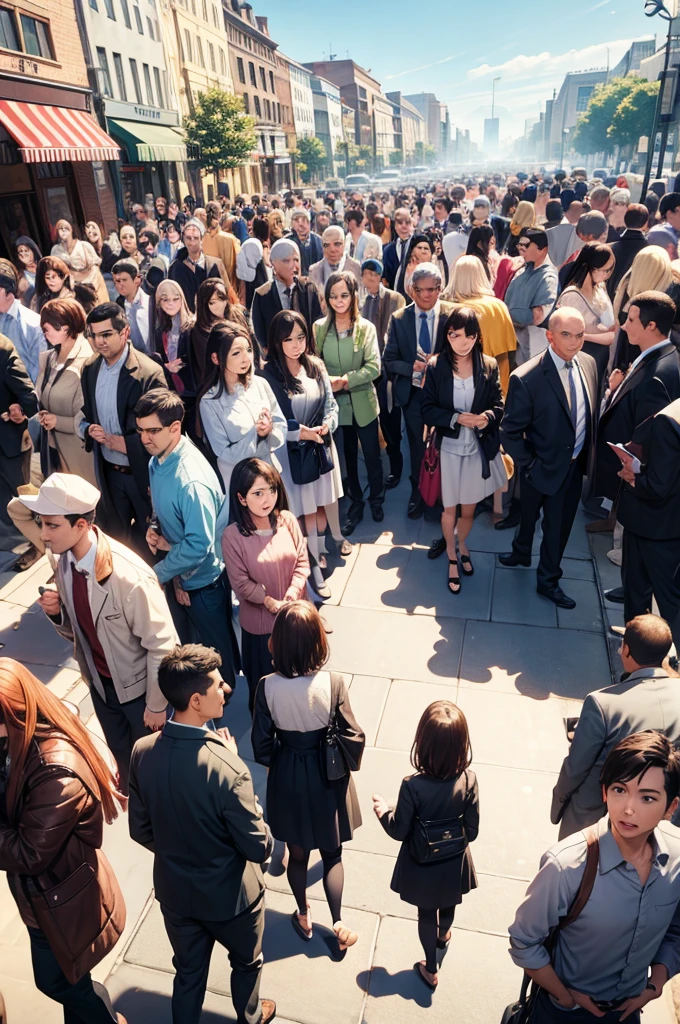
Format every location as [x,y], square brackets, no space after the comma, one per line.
[276,225]
[168,287]
[468,280]
[651,271]
[524,216]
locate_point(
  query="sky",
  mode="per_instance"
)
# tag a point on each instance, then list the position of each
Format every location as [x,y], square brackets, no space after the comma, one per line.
[449,51]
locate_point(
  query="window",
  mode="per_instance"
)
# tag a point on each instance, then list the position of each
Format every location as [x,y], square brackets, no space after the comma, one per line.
[126,13]
[8,31]
[108,4]
[205,11]
[278,106]
[193,7]
[267,110]
[147,84]
[246,102]
[258,108]
[223,64]
[188,52]
[241,70]
[211,50]
[36,39]
[199,52]
[120,75]
[104,76]
[216,22]
[138,21]
[135,81]
[251,69]
[271,81]
[166,90]
[149,25]
[159,87]
[582,97]
[93,5]
[263,78]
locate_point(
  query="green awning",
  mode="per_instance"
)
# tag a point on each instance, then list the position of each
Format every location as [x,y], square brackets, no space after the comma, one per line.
[145,142]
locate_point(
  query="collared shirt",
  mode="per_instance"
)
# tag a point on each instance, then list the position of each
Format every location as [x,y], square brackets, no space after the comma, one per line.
[402,248]
[185,725]
[22,327]
[643,355]
[281,287]
[106,401]
[137,313]
[581,405]
[432,315]
[607,950]
[372,304]
[86,563]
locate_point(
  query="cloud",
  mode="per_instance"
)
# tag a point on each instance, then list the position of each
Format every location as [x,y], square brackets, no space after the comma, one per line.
[546,64]
[602,3]
[423,67]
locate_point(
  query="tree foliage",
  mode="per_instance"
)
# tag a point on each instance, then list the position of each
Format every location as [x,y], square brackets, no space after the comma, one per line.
[424,153]
[222,130]
[310,155]
[634,116]
[617,114]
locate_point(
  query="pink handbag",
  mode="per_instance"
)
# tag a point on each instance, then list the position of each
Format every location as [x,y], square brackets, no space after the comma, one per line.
[430,480]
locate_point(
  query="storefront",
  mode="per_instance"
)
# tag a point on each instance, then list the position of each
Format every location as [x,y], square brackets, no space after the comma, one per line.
[153,153]
[53,158]
[274,158]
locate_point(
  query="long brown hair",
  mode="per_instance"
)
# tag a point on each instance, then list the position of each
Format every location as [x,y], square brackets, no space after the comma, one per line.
[30,711]
[442,748]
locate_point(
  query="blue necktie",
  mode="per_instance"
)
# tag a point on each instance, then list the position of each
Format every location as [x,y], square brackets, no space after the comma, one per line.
[573,404]
[424,337]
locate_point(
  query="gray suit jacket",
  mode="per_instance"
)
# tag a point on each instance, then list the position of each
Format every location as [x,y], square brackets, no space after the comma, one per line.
[648,699]
[193,805]
[316,275]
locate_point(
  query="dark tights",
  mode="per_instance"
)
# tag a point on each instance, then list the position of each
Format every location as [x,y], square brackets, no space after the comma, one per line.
[433,925]
[333,878]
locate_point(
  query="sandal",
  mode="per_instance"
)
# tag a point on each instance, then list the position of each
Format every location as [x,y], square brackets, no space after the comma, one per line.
[295,921]
[466,561]
[345,548]
[453,581]
[421,970]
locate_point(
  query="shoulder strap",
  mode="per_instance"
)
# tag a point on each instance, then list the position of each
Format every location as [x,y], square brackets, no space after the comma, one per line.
[336,679]
[584,890]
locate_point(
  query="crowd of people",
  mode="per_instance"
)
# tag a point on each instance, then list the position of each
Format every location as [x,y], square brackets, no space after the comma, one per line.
[185,402]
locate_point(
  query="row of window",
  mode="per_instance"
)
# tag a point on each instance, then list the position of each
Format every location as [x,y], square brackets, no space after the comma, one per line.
[193,6]
[25,34]
[152,26]
[303,114]
[253,77]
[193,53]
[248,43]
[272,111]
[160,81]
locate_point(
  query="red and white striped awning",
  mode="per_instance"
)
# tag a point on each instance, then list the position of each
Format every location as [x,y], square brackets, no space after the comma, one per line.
[49,134]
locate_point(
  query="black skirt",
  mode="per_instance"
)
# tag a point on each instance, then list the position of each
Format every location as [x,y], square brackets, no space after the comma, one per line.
[303,808]
[433,886]
[257,661]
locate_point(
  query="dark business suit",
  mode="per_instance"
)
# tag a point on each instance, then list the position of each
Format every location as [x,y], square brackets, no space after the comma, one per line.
[16,388]
[379,310]
[398,359]
[151,326]
[650,387]
[193,805]
[311,251]
[304,299]
[625,249]
[538,433]
[650,515]
[125,494]
[392,260]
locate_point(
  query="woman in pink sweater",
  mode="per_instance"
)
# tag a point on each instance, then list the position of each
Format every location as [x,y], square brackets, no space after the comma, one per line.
[266,558]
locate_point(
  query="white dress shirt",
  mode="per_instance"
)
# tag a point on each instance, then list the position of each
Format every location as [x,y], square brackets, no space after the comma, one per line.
[137,313]
[581,401]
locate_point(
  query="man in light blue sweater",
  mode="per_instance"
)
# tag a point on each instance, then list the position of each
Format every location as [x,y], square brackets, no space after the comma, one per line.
[532,292]
[187,499]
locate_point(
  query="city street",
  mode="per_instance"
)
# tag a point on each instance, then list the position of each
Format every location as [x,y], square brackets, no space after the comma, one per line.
[515,665]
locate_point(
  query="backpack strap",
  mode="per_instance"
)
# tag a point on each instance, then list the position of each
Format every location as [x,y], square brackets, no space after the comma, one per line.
[584,891]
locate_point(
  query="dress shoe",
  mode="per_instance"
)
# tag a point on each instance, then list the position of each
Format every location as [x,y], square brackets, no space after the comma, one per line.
[268,1010]
[601,525]
[416,506]
[378,513]
[354,517]
[557,596]
[615,595]
[509,521]
[436,548]
[512,558]
[393,481]
[617,630]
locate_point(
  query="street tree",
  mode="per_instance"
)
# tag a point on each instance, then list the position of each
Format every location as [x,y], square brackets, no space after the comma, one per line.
[311,153]
[220,128]
[634,115]
[591,132]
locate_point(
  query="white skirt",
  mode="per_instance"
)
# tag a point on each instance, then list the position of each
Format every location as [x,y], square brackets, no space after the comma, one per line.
[305,499]
[462,481]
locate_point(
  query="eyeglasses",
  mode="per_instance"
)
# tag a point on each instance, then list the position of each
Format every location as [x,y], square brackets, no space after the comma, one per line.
[102,336]
[523,245]
[151,431]
[425,291]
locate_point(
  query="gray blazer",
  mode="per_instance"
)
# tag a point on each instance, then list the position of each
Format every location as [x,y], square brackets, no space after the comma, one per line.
[648,699]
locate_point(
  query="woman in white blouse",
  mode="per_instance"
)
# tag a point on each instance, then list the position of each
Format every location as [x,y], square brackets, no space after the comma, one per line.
[240,416]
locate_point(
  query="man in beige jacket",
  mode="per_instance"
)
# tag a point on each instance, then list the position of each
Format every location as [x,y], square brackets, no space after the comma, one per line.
[109,602]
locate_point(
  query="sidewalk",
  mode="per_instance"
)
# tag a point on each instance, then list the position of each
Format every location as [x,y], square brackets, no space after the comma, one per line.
[515,664]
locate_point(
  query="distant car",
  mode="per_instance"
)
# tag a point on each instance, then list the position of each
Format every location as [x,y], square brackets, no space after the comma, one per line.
[357,181]
[601,172]
[333,183]
[389,177]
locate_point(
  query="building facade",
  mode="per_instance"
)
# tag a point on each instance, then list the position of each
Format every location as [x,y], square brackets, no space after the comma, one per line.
[436,117]
[358,91]
[285,117]
[411,124]
[387,131]
[53,153]
[328,122]
[302,99]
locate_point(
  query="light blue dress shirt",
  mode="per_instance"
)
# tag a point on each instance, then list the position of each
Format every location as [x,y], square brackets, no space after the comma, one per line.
[22,327]
[106,399]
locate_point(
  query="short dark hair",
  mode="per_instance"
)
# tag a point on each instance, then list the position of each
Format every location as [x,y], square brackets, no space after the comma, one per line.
[108,311]
[261,230]
[184,671]
[669,203]
[648,638]
[441,747]
[299,645]
[243,477]
[535,235]
[354,215]
[161,402]
[64,313]
[126,267]
[553,210]
[148,234]
[656,307]
[636,216]
[443,201]
[635,754]
[73,517]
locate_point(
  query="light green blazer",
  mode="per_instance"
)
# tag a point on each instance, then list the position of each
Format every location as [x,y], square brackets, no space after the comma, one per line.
[358,356]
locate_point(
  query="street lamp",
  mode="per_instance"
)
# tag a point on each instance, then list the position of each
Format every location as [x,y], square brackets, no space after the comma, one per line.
[652,9]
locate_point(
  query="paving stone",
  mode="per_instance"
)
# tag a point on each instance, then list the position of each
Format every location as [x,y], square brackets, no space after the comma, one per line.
[381,772]
[24,589]
[367,696]
[476,981]
[572,568]
[533,661]
[35,639]
[405,704]
[609,574]
[339,571]
[587,615]
[59,680]
[515,598]
[405,646]
[578,545]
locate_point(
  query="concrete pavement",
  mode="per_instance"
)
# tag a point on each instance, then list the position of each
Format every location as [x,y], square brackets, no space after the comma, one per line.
[516,666]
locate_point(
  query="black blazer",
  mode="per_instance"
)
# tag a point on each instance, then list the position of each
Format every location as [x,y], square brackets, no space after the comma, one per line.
[437,406]
[267,303]
[186,374]
[650,387]
[151,292]
[402,346]
[651,509]
[139,374]
[310,253]
[190,280]
[625,249]
[16,387]
[537,430]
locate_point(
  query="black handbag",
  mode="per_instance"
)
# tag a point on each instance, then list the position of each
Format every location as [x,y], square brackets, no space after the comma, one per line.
[522,1011]
[339,754]
[432,842]
[309,460]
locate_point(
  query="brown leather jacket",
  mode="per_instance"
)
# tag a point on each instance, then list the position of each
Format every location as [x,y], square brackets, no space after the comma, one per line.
[57,824]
